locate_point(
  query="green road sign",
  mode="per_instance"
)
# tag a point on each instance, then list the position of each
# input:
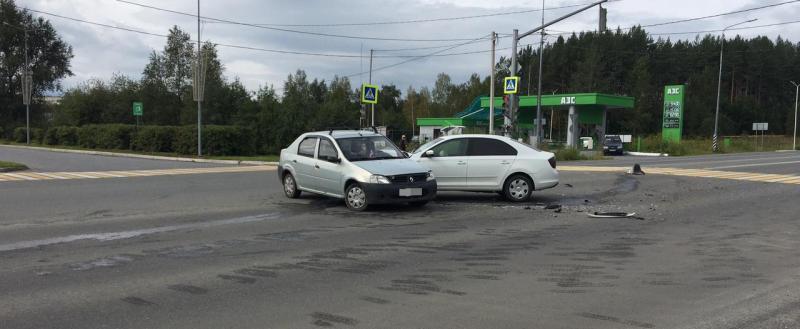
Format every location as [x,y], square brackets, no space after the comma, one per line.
[369,94]
[138,109]
[510,85]
[672,127]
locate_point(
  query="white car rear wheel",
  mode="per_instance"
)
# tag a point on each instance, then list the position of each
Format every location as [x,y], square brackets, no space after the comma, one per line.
[518,188]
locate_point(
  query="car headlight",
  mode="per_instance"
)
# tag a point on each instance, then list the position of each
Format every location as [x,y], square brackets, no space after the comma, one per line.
[430,176]
[605,147]
[379,179]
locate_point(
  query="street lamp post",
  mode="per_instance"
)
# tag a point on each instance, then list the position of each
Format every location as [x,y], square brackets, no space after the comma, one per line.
[714,145]
[27,82]
[796,95]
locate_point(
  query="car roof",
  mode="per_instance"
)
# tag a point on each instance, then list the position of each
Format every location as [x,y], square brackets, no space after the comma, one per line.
[345,133]
[474,135]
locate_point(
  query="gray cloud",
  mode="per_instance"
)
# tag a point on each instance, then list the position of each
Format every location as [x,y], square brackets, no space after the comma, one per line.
[101,52]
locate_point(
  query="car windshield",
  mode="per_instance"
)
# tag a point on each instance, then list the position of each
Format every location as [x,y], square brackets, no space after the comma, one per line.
[369,148]
[613,139]
[426,146]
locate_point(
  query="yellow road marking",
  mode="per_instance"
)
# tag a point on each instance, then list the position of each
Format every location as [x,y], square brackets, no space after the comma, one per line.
[688,172]
[36,176]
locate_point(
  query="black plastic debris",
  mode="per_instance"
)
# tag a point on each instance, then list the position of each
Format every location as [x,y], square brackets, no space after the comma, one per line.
[637,170]
[552,206]
[568,185]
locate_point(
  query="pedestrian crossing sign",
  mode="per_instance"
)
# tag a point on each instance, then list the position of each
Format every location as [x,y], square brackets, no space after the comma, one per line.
[510,85]
[369,94]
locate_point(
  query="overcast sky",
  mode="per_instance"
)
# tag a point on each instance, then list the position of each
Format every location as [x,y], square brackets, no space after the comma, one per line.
[101,52]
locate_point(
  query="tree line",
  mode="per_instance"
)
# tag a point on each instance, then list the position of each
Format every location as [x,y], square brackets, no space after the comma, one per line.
[755,88]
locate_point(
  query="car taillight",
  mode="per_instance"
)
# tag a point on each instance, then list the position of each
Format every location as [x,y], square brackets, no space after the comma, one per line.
[552,161]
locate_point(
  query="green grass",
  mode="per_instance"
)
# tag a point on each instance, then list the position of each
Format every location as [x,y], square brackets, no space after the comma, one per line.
[268,158]
[572,154]
[700,146]
[6,166]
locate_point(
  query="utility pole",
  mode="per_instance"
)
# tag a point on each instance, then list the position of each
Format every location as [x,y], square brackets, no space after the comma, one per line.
[512,99]
[371,51]
[199,88]
[539,88]
[541,28]
[796,95]
[413,124]
[714,144]
[491,86]
[28,91]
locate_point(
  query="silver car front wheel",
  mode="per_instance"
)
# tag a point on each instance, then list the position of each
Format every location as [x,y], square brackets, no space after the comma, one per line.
[356,197]
[290,186]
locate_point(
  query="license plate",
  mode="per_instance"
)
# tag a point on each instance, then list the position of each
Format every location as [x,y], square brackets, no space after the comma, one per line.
[410,191]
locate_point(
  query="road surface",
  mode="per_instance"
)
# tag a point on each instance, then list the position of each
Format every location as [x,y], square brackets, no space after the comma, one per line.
[228,250]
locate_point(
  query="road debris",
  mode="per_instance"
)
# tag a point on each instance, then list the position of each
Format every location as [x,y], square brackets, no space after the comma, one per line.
[614,215]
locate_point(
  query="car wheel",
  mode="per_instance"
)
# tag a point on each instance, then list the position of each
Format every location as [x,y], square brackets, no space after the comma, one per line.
[355,197]
[290,187]
[518,188]
[418,204]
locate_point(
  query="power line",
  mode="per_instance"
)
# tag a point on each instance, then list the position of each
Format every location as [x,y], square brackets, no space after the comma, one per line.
[722,14]
[414,21]
[415,58]
[289,30]
[731,29]
[697,19]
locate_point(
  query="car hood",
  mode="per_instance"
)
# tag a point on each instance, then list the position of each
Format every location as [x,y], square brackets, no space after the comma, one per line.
[391,167]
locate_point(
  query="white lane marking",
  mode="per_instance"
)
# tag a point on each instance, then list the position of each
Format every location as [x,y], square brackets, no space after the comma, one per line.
[20,176]
[110,236]
[755,165]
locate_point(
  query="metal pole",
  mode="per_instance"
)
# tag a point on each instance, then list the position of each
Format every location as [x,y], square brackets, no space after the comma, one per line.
[714,144]
[491,88]
[539,90]
[370,82]
[413,125]
[28,89]
[199,78]
[796,95]
[512,100]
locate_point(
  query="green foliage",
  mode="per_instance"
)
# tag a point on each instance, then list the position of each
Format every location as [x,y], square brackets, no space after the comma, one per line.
[110,137]
[153,139]
[568,154]
[50,60]
[20,135]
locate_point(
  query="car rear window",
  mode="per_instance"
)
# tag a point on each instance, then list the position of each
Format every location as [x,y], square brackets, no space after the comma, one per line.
[307,147]
[489,147]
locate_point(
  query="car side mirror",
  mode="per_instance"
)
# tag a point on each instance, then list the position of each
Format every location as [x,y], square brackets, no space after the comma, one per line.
[335,159]
[429,154]
[408,155]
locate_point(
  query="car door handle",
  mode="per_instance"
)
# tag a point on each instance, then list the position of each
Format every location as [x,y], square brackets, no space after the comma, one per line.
[461,163]
[505,162]
[316,166]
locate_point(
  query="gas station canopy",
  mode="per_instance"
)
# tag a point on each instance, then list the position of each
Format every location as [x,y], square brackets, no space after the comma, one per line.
[584,109]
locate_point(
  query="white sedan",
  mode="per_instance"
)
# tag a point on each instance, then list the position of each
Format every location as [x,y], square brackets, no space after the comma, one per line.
[488,163]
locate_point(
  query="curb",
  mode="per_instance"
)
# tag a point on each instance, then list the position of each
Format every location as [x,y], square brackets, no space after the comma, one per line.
[143,156]
[647,154]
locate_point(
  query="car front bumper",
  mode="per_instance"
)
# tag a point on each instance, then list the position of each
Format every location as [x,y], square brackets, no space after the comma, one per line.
[390,193]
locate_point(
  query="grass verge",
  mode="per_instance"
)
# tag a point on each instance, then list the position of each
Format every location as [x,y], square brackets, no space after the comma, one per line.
[6,166]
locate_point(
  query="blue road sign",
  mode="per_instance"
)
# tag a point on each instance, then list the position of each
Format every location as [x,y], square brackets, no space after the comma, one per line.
[510,85]
[369,94]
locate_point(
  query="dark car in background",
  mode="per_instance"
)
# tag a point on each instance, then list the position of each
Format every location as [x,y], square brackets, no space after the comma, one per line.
[613,145]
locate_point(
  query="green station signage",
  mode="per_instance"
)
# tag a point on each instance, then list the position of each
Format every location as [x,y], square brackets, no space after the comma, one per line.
[672,126]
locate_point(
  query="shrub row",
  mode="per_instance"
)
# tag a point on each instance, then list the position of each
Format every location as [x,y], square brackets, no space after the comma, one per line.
[217,140]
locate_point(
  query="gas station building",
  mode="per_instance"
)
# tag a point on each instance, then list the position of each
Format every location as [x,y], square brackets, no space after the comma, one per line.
[587,110]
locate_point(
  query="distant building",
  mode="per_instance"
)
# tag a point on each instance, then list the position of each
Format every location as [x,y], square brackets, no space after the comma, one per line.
[53,99]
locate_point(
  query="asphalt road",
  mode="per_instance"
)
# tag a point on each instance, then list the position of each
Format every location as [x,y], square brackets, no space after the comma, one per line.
[47,161]
[229,251]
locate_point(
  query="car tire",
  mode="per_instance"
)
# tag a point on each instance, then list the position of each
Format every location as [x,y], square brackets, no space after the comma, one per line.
[355,197]
[518,188]
[418,204]
[290,186]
